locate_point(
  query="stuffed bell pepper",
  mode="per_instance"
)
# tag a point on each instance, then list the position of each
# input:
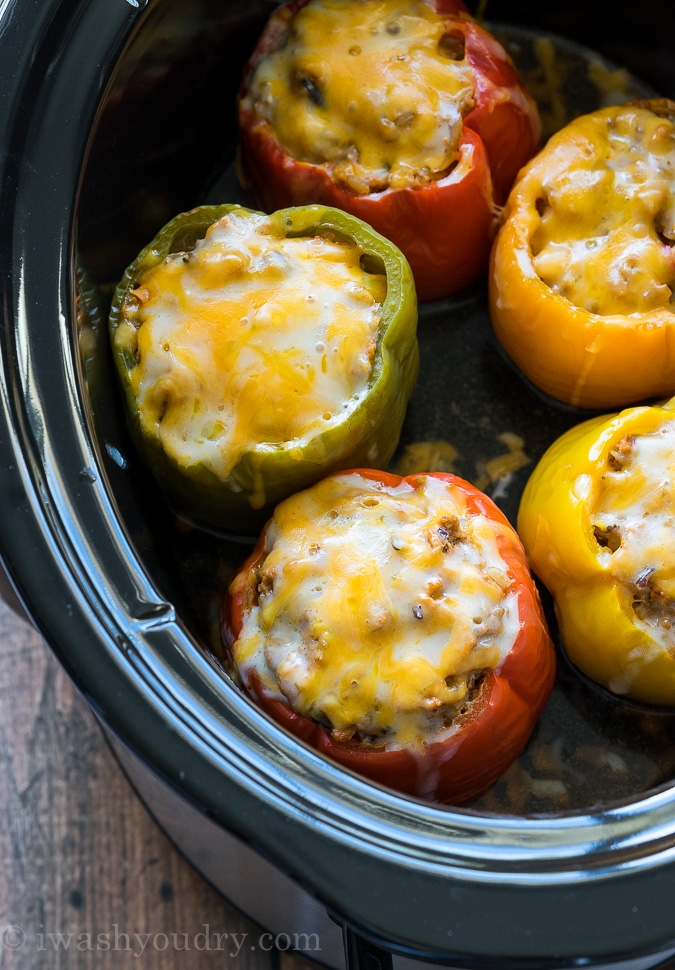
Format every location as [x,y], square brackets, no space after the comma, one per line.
[597,521]
[392,624]
[258,353]
[403,112]
[583,269]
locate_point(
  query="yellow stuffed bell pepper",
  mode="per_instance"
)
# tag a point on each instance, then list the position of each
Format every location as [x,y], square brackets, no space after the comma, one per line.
[597,520]
[583,269]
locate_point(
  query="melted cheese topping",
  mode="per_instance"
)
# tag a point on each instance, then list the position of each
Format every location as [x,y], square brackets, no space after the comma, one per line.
[634,521]
[252,339]
[373,89]
[608,212]
[378,608]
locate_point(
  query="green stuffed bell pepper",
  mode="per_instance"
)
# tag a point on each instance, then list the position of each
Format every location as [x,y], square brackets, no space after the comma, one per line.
[260,353]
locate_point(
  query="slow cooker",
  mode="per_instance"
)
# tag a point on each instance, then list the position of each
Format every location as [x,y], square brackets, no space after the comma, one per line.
[115,115]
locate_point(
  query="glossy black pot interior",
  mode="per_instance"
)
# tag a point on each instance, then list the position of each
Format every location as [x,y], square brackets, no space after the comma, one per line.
[133,124]
[589,749]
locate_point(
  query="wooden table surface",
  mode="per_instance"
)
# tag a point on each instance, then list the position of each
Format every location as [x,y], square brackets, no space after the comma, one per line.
[81,862]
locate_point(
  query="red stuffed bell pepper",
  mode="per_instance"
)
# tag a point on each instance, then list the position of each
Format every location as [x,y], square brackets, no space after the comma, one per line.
[392,624]
[405,113]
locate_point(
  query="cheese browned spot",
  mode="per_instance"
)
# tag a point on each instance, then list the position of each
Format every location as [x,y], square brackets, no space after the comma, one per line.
[378,608]
[250,340]
[376,90]
[633,518]
[605,190]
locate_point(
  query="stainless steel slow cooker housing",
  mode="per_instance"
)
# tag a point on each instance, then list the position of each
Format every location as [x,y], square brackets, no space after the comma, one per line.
[111,114]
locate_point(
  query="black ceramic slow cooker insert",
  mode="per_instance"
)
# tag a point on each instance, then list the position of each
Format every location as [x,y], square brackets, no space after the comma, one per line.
[114,116]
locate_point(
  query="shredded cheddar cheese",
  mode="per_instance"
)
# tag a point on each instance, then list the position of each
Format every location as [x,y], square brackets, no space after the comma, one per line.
[427,456]
[633,518]
[250,340]
[378,608]
[376,90]
[607,202]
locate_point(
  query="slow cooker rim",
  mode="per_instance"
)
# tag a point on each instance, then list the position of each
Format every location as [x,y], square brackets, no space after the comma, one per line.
[44,525]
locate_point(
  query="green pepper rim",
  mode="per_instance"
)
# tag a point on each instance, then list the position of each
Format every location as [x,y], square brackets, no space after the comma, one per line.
[267,473]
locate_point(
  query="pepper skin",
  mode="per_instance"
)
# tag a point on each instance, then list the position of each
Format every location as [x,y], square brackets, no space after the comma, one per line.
[499,721]
[600,333]
[594,605]
[444,228]
[265,474]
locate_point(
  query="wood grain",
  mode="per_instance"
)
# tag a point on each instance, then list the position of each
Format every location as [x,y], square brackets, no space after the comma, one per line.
[81,862]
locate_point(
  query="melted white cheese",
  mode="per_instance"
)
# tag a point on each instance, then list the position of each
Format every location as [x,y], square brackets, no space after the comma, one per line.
[638,501]
[608,222]
[253,339]
[369,88]
[378,606]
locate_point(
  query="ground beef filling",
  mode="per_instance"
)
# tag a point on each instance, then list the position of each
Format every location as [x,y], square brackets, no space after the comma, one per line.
[251,340]
[376,91]
[634,526]
[378,611]
[439,715]
[606,203]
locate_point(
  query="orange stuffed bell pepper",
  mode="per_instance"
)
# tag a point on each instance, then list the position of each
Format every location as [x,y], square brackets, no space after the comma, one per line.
[583,269]
[405,113]
[392,624]
[597,520]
